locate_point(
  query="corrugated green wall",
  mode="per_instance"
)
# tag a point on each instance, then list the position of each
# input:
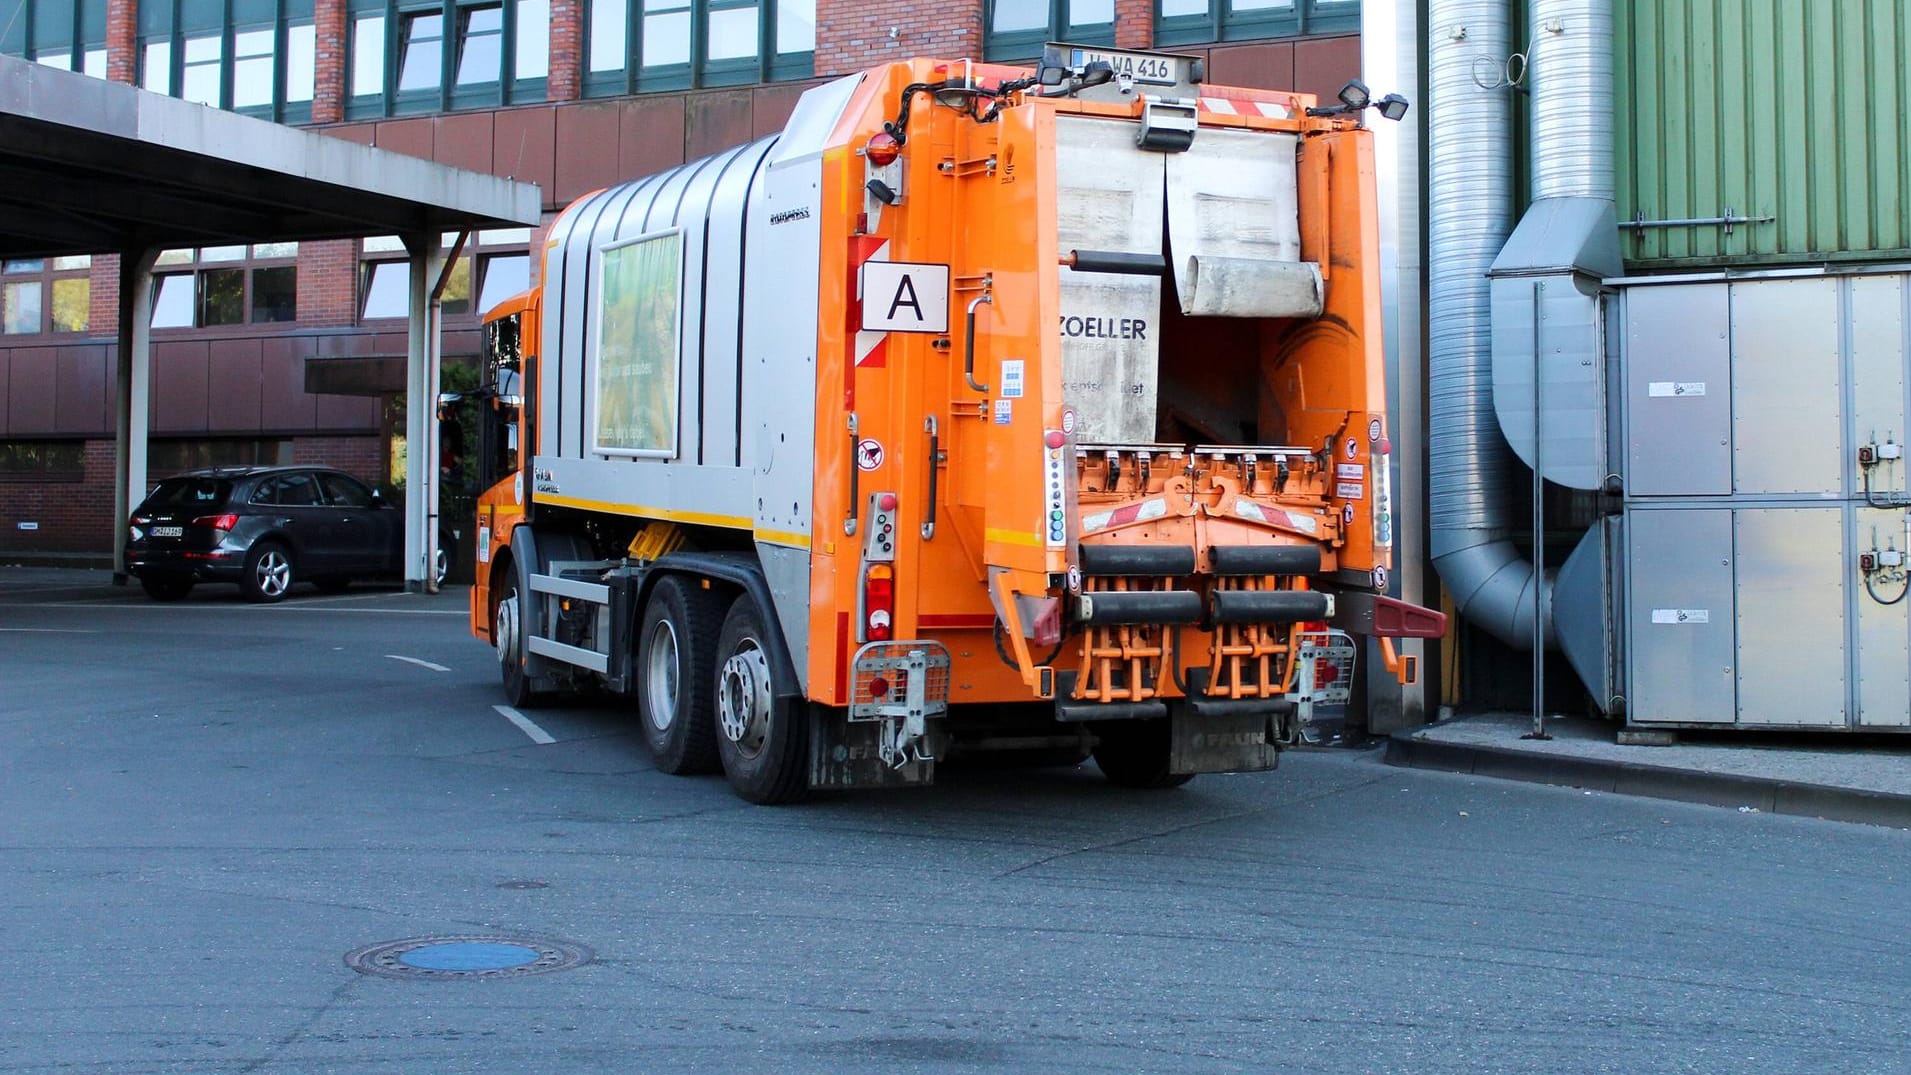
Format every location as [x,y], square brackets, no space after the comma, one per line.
[1793,109]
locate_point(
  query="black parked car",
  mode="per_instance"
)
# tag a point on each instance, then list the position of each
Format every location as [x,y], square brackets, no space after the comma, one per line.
[265,528]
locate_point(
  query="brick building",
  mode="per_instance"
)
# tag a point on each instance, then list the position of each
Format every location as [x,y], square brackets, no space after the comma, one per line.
[287,352]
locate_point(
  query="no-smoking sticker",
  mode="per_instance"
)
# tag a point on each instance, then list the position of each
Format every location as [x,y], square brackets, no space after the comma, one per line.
[869,453]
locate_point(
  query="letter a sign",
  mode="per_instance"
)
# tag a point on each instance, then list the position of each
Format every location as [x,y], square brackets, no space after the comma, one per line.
[902,296]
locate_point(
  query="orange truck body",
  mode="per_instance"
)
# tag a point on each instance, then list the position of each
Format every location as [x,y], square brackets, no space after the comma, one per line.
[1017,412]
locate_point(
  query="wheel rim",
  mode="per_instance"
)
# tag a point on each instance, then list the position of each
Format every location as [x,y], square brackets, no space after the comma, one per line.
[744,699]
[274,573]
[660,675]
[441,566]
[505,630]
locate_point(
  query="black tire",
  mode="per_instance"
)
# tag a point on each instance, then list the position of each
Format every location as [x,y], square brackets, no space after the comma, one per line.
[269,572]
[507,637]
[763,740]
[1134,754]
[676,659]
[166,588]
[332,583]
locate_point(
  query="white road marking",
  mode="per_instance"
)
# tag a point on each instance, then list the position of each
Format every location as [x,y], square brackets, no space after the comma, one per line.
[537,734]
[419,663]
[48,631]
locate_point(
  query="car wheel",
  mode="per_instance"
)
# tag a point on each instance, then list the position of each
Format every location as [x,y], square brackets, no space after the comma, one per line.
[165,589]
[1134,754]
[441,562]
[268,572]
[763,740]
[333,583]
[507,634]
[676,650]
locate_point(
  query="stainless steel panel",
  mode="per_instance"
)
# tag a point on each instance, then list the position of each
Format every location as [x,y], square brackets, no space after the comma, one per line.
[1679,616]
[1787,405]
[1791,616]
[1569,349]
[1108,197]
[1879,353]
[778,379]
[1678,403]
[1882,660]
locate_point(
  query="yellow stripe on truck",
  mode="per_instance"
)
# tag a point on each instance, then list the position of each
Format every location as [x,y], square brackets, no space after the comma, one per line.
[1013,537]
[676,515]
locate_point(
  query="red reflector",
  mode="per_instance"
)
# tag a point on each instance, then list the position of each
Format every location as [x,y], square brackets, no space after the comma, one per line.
[882,149]
[217,522]
[1325,673]
[878,687]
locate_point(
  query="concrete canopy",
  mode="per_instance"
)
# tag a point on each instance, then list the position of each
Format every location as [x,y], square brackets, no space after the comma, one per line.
[88,166]
[95,167]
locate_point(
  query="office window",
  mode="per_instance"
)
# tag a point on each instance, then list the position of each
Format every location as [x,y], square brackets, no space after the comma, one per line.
[433,55]
[42,458]
[676,44]
[226,285]
[45,295]
[254,56]
[67,34]
[166,456]
[1183,22]
[493,266]
[1017,29]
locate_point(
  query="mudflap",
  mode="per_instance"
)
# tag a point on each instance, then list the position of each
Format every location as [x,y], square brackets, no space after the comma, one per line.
[845,754]
[1217,743]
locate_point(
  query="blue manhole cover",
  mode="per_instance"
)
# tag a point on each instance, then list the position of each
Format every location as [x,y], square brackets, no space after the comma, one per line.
[466,957]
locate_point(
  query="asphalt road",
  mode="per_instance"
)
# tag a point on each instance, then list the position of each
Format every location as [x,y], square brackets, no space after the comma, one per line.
[204,807]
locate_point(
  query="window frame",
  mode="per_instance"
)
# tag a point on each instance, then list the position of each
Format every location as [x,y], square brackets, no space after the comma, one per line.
[198,266]
[67,44]
[448,95]
[1027,44]
[165,26]
[48,278]
[1222,23]
[699,71]
[481,250]
[64,461]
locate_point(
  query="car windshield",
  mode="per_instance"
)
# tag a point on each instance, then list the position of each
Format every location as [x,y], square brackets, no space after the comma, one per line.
[189,493]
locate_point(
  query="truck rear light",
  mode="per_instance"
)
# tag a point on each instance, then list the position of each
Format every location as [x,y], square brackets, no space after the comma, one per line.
[879,603]
[217,522]
[882,149]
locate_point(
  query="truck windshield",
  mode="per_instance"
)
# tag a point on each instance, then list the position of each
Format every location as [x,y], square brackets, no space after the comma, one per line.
[500,400]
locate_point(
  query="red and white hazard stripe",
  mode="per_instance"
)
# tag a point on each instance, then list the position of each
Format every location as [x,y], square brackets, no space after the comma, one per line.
[1242,106]
[870,351]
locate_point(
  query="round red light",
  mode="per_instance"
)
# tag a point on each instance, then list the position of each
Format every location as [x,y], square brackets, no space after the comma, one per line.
[882,149]
[1055,439]
[879,687]
[887,502]
[1386,446]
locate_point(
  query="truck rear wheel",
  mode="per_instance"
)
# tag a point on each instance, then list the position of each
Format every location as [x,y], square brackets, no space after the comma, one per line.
[1134,754]
[763,740]
[676,655]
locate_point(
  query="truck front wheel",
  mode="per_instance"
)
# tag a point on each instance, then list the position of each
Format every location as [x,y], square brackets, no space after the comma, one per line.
[676,650]
[763,740]
[507,634]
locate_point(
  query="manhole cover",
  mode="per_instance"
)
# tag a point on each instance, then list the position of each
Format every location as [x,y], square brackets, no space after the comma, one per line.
[466,957]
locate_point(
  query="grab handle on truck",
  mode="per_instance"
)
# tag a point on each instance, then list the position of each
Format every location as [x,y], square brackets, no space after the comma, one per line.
[968,346]
[855,470]
[935,458]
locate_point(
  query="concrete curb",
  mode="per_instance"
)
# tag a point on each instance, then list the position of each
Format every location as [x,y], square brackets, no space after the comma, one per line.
[1655,781]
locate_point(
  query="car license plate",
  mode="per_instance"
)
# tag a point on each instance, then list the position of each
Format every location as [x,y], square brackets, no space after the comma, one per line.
[1144,67]
[169,531]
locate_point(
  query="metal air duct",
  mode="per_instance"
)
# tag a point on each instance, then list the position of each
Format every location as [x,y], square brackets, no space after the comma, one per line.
[1470,215]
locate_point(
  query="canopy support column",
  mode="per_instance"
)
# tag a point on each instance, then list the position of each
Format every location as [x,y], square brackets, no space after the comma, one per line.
[131,400]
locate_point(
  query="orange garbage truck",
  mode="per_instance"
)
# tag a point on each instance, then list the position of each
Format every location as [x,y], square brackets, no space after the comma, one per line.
[980,409]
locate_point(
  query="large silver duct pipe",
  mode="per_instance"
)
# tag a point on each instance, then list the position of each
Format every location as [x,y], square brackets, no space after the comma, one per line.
[1570,70]
[1470,215]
